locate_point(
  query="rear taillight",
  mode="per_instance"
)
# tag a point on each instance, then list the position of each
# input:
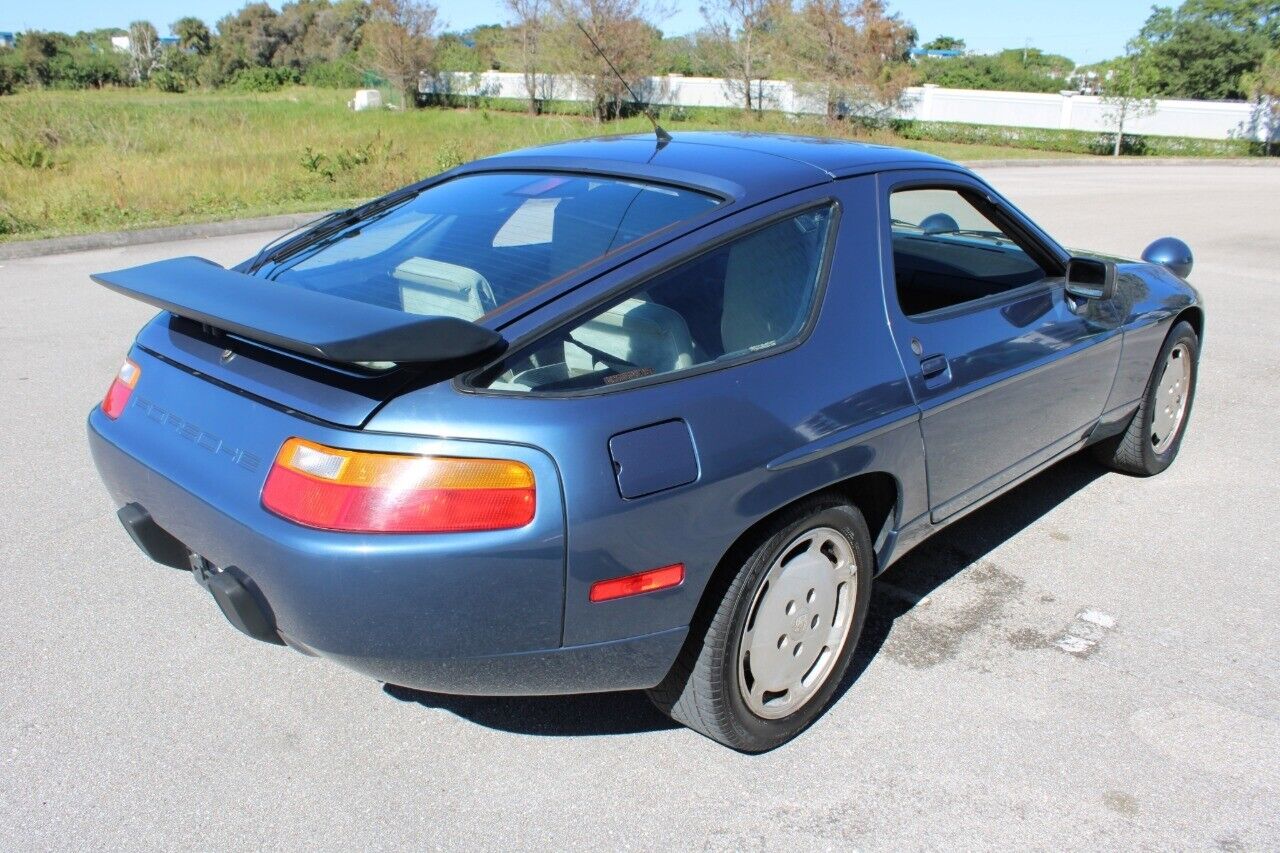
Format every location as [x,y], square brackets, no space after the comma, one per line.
[355,491]
[121,387]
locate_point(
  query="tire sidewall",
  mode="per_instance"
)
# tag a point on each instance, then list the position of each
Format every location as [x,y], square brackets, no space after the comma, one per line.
[761,733]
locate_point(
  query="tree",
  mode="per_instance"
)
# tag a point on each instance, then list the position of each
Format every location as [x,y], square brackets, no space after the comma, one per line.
[687,55]
[945,43]
[310,32]
[85,60]
[89,66]
[401,38]
[739,30]
[192,35]
[455,52]
[12,72]
[1203,48]
[296,31]
[144,50]
[1130,87]
[529,22]
[1263,87]
[488,41]
[1015,70]
[249,38]
[37,51]
[854,53]
[620,28]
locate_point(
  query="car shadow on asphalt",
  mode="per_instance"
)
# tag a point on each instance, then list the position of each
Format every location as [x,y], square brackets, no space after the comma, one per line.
[912,578]
[960,546]
[551,716]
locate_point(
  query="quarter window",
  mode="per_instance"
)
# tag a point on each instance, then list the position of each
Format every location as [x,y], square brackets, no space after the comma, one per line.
[946,252]
[749,295]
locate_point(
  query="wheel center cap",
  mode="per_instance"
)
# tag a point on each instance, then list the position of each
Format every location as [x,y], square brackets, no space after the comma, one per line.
[801,622]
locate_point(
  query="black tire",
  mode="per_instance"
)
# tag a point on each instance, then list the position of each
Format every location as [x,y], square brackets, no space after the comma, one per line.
[1134,451]
[702,691]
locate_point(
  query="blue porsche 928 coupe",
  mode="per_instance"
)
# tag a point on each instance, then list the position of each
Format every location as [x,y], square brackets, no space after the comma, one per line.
[616,414]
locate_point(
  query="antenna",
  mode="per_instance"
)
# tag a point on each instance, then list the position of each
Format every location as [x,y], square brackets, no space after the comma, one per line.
[663,136]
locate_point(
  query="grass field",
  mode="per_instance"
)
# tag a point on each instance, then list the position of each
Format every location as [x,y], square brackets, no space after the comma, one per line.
[79,162]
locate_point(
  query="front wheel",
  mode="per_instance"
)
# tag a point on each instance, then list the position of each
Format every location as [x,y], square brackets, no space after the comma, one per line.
[768,653]
[1151,442]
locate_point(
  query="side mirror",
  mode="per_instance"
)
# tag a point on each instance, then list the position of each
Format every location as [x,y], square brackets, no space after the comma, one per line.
[1170,253]
[938,223]
[1090,278]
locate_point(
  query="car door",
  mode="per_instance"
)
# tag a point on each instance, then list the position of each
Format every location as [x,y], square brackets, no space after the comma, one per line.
[1007,368]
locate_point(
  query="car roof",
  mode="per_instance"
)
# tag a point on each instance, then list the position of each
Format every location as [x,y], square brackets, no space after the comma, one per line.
[746,166]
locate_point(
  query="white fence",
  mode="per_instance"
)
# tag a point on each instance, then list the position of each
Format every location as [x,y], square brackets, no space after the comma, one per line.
[1066,110]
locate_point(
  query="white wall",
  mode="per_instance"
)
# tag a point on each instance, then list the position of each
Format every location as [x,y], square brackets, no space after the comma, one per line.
[1201,119]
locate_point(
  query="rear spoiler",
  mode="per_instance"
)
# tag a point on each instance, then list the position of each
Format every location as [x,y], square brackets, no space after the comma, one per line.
[302,321]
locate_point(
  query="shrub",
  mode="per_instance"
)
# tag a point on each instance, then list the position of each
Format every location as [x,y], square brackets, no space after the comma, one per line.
[12,73]
[262,79]
[28,154]
[448,156]
[337,74]
[10,223]
[1069,141]
[168,81]
[212,71]
[331,166]
[84,68]
[179,70]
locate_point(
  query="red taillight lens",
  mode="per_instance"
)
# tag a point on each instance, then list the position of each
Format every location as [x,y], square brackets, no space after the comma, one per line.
[121,387]
[654,579]
[362,492]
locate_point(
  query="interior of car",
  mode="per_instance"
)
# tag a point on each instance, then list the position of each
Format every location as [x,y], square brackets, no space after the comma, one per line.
[933,272]
[946,252]
[745,296]
[470,245]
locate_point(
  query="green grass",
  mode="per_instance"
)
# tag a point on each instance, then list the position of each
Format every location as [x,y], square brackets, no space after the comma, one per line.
[79,162]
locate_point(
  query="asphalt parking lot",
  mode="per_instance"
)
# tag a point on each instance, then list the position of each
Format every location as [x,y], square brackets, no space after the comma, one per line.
[1091,661]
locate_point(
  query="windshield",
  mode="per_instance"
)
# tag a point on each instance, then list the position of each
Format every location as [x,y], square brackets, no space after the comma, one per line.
[474,243]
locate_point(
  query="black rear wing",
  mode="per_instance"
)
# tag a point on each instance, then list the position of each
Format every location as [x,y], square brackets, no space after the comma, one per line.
[302,321]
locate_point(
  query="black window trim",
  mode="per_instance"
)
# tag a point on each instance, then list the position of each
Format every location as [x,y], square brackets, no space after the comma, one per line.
[982,303]
[468,382]
[1046,254]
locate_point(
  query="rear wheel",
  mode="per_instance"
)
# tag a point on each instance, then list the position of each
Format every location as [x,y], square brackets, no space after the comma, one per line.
[1151,442]
[770,651]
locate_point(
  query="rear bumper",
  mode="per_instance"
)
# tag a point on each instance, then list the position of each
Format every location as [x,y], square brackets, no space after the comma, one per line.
[462,613]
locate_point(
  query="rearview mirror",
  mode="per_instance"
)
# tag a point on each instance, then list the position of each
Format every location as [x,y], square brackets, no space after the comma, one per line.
[1090,278]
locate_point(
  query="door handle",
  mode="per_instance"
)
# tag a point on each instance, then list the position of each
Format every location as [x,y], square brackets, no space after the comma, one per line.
[934,365]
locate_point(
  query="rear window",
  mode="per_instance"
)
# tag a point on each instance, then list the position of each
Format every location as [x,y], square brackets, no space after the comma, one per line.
[477,242]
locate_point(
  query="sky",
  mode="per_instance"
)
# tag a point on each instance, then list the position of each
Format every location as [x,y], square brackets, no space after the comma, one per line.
[1085,30]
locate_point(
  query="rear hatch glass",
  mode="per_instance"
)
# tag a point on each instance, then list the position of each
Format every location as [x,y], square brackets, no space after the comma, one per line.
[459,249]
[477,242]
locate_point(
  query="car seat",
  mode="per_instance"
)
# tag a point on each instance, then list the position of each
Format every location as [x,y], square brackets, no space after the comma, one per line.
[440,289]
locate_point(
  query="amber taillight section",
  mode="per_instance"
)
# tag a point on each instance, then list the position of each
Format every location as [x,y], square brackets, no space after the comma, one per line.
[358,491]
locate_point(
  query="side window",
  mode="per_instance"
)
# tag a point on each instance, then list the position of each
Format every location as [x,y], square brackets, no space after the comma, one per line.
[746,296]
[947,252]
